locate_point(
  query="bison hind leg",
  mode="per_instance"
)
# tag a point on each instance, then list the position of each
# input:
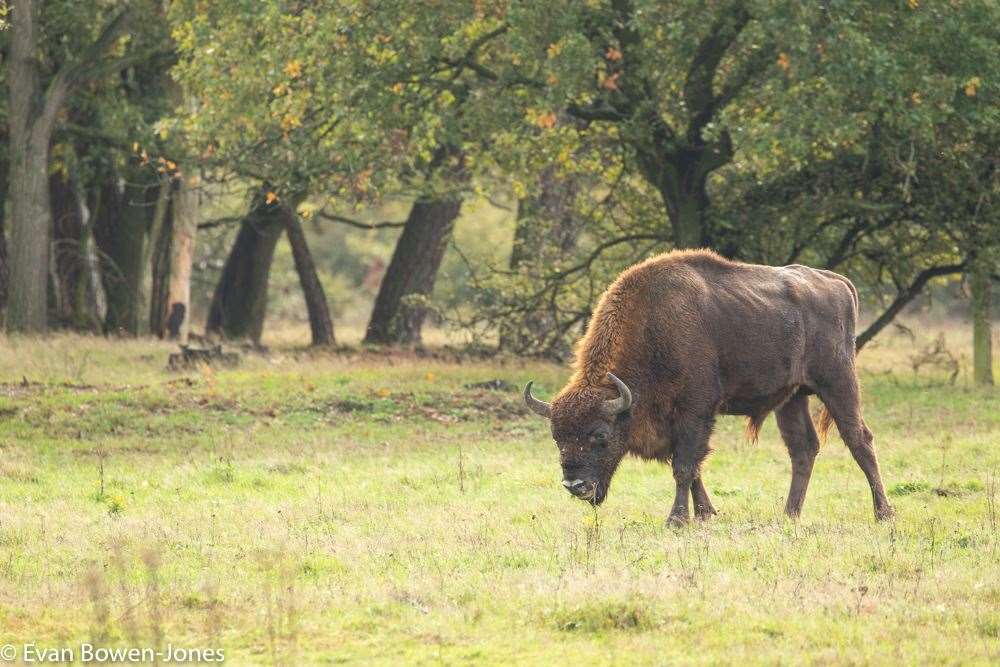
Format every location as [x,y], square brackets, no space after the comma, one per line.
[703,508]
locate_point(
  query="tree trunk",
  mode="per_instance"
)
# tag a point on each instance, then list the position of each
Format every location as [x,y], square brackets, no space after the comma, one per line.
[982,334]
[122,214]
[186,205]
[680,175]
[28,153]
[31,115]
[240,300]
[547,229]
[4,269]
[29,240]
[91,297]
[320,323]
[161,245]
[67,234]
[682,189]
[77,296]
[400,310]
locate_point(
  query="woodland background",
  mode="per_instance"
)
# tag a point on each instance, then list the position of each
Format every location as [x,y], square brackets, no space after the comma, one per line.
[183,167]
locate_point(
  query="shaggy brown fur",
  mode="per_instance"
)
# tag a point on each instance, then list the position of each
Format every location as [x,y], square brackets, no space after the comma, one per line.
[694,335]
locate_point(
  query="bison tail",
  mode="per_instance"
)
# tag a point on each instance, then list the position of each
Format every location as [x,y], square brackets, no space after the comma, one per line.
[824,420]
[754,423]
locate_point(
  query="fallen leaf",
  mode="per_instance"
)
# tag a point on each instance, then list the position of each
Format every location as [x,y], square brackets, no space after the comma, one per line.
[547,120]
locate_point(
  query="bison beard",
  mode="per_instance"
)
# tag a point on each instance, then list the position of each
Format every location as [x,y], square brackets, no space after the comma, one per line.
[688,335]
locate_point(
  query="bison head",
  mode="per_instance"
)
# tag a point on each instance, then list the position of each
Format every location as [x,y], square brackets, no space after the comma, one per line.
[589,429]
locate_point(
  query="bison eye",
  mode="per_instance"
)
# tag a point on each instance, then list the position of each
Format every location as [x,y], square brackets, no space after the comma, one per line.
[599,437]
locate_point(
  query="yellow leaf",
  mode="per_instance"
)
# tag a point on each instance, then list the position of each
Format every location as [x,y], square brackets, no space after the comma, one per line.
[972,86]
[430,377]
[271,198]
[382,392]
[555,48]
[913,3]
[293,69]
[784,62]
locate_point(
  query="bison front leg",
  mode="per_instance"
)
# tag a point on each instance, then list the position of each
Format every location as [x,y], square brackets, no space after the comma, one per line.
[703,508]
[690,444]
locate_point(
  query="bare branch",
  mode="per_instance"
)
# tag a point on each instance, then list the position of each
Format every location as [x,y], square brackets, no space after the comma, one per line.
[594,112]
[218,222]
[332,217]
[905,296]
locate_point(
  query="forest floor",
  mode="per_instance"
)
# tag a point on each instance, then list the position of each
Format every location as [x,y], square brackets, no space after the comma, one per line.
[324,508]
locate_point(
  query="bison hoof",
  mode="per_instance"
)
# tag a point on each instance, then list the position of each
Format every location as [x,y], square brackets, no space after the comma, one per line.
[704,514]
[677,521]
[884,513]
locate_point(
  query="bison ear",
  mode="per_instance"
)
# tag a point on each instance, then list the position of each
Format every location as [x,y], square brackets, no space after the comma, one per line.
[616,406]
[537,406]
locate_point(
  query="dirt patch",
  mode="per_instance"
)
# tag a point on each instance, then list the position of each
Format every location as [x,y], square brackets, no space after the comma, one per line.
[445,408]
[28,387]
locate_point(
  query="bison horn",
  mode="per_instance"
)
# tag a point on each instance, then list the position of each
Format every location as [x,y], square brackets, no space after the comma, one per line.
[618,405]
[538,407]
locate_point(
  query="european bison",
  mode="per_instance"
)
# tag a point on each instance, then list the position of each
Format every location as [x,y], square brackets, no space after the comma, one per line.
[687,335]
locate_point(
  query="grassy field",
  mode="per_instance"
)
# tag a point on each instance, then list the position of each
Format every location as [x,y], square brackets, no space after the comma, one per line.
[307,509]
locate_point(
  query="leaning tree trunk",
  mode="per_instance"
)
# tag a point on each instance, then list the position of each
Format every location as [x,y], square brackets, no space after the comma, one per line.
[982,334]
[400,309]
[240,300]
[320,323]
[185,206]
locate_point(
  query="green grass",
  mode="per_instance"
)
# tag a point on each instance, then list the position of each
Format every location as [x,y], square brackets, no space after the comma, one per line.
[352,508]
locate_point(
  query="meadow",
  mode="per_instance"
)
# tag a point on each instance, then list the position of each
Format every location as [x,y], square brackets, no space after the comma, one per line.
[354,507]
